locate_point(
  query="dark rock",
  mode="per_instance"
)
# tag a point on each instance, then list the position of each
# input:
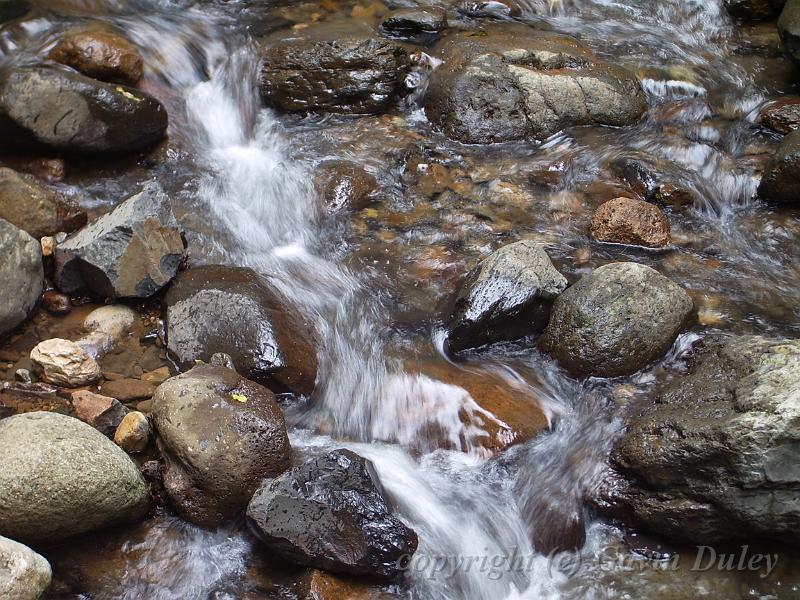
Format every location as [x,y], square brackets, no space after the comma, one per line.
[754,10]
[781,179]
[616,320]
[56,303]
[410,22]
[100,54]
[714,458]
[332,513]
[49,107]
[505,297]
[783,115]
[328,68]
[21,274]
[131,252]
[221,436]
[344,184]
[789,29]
[49,169]
[629,221]
[495,9]
[13,9]
[232,310]
[644,181]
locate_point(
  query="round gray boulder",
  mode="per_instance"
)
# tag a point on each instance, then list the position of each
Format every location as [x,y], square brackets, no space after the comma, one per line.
[24,574]
[21,274]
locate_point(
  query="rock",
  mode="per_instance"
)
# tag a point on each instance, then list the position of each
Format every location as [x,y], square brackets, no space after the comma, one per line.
[158,376]
[616,320]
[13,9]
[411,22]
[49,169]
[221,435]
[319,585]
[629,221]
[22,275]
[133,433]
[56,303]
[24,574]
[331,68]
[63,362]
[714,458]
[36,209]
[789,29]
[332,513]
[644,181]
[90,483]
[493,9]
[131,252]
[518,83]
[506,296]
[344,184]
[49,107]
[754,10]
[107,326]
[783,115]
[101,412]
[232,310]
[127,390]
[99,54]
[779,182]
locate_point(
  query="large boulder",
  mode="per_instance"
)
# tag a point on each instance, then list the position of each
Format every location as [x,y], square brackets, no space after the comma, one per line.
[232,310]
[519,83]
[24,574]
[789,29]
[714,458]
[49,107]
[616,320]
[131,252]
[754,10]
[332,513]
[631,221]
[59,477]
[506,296]
[332,68]
[22,276]
[100,54]
[781,179]
[36,209]
[221,435]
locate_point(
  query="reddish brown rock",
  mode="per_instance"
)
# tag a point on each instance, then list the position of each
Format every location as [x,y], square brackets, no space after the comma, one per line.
[101,412]
[49,169]
[56,303]
[629,221]
[344,184]
[133,433]
[126,390]
[782,116]
[102,55]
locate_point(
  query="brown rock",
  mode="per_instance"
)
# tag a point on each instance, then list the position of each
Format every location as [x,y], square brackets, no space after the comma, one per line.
[345,185]
[319,585]
[158,376]
[64,362]
[56,303]
[673,195]
[133,433]
[782,116]
[103,55]
[629,221]
[101,412]
[126,390]
[49,169]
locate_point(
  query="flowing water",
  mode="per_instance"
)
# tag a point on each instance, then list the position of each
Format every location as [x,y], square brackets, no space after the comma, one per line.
[373,282]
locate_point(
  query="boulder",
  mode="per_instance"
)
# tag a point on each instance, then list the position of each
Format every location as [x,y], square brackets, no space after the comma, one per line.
[64,362]
[413,22]
[221,436]
[131,252]
[21,274]
[789,29]
[50,107]
[616,320]
[332,68]
[133,433]
[630,221]
[332,513]
[779,182]
[506,296]
[782,115]
[518,84]
[343,184]
[24,574]
[36,209]
[101,412]
[754,10]
[90,483]
[231,310]
[714,458]
[100,54]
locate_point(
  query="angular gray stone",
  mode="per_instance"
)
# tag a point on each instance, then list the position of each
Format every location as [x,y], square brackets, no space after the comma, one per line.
[781,179]
[24,574]
[21,274]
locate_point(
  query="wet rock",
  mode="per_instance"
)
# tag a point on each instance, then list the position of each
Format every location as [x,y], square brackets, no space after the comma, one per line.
[714,458]
[36,209]
[48,169]
[44,107]
[319,585]
[127,390]
[629,221]
[24,574]
[131,252]
[56,303]
[103,55]
[644,181]
[91,483]
[495,9]
[64,362]
[133,433]
[330,68]
[781,179]
[101,412]
[783,115]
[517,83]
[232,310]
[21,274]
[107,326]
[507,296]
[754,10]
[410,22]
[221,435]
[344,184]
[13,9]
[789,29]
[332,513]
[616,320]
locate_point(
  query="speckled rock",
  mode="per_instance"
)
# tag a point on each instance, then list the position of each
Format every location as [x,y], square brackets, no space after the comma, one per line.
[24,574]
[22,275]
[630,221]
[345,185]
[782,115]
[64,362]
[789,29]
[100,54]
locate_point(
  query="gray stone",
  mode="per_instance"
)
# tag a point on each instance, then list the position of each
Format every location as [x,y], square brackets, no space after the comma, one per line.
[781,179]
[24,574]
[21,274]
[789,29]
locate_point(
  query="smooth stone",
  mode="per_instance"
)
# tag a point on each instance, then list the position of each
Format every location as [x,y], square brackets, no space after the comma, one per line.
[64,362]
[100,54]
[133,433]
[22,274]
[24,574]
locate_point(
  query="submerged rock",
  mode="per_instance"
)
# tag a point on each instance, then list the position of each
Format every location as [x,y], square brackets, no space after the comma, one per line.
[789,29]
[63,110]
[343,184]
[221,435]
[507,296]
[100,54]
[781,179]
[629,221]
[21,274]
[24,574]
[332,513]
[90,483]
[232,310]
[754,10]
[714,458]
[616,320]
[64,362]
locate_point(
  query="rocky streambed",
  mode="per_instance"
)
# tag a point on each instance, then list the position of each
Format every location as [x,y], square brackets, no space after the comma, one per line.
[439,300]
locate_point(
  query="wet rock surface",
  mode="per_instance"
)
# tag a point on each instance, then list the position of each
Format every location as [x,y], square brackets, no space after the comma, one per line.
[24,574]
[789,28]
[332,513]
[783,115]
[754,10]
[410,22]
[22,275]
[100,54]
[779,182]
[345,185]
[133,433]
[629,221]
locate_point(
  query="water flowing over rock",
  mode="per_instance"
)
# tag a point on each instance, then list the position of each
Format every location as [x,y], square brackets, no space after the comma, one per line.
[714,458]
[131,252]
[616,320]
[104,55]
[519,84]
[789,28]
[507,296]
[221,435]
[64,362]
[781,179]
[44,107]
[22,276]
[91,483]
[24,574]
[232,310]
[332,513]
[629,221]
[345,185]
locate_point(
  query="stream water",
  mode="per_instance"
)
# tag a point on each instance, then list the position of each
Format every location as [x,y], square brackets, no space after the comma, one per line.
[373,282]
